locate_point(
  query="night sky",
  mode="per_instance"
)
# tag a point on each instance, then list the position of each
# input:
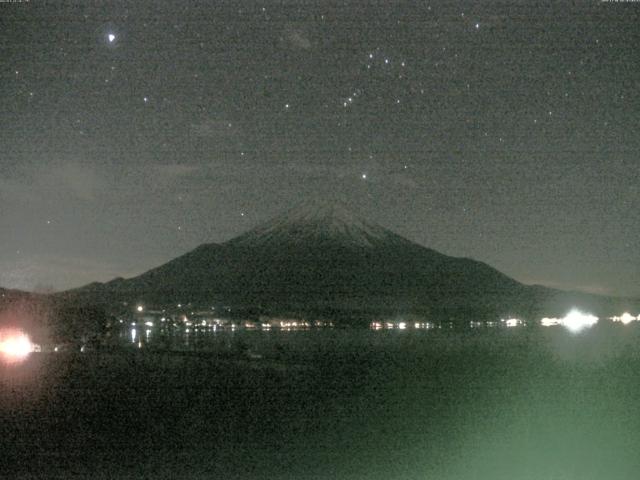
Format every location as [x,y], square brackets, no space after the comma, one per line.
[508,132]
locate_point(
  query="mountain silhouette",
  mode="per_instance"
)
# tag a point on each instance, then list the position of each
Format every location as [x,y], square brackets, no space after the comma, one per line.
[320,258]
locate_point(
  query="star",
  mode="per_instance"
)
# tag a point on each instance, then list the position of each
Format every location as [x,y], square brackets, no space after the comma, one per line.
[364,176]
[111,37]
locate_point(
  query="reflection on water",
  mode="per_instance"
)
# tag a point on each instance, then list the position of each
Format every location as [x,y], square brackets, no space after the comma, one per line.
[195,331]
[201,336]
[486,404]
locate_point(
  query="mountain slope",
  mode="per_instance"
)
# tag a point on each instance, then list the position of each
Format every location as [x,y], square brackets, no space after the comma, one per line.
[323,258]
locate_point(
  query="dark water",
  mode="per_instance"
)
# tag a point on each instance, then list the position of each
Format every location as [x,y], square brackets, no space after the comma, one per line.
[504,404]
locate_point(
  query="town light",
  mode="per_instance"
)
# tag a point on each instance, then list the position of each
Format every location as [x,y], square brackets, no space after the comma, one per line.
[625,318]
[550,322]
[576,321]
[512,322]
[15,345]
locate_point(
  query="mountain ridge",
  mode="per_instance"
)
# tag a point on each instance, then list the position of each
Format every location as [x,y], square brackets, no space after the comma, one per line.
[324,258]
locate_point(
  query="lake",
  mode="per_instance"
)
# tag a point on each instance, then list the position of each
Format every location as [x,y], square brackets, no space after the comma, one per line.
[332,403]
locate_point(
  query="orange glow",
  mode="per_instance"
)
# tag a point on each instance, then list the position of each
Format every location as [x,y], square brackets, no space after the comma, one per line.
[15,345]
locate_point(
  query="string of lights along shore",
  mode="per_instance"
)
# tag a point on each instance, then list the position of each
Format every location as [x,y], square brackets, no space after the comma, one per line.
[133,132]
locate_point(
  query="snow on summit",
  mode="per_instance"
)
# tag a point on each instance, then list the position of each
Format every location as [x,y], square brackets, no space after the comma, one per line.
[313,221]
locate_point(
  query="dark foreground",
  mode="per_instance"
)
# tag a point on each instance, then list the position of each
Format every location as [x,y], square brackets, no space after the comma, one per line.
[334,405]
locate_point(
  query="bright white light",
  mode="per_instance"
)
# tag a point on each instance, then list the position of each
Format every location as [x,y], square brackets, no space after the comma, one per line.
[512,322]
[111,37]
[576,321]
[625,318]
[15,345]
[140,308]
[149,324]
[134,334]
[402,325]
[550,322]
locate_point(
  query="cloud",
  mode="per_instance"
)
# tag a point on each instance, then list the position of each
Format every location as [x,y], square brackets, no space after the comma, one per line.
[173,170]
[58,272]
[13,190]
[214,128]
[297,36]
[81,180]
[75,179]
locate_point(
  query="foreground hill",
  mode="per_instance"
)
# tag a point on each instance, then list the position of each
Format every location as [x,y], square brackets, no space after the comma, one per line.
[322,259]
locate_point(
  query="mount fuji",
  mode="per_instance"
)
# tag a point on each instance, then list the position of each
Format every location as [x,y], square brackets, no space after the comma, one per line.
[321,259]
